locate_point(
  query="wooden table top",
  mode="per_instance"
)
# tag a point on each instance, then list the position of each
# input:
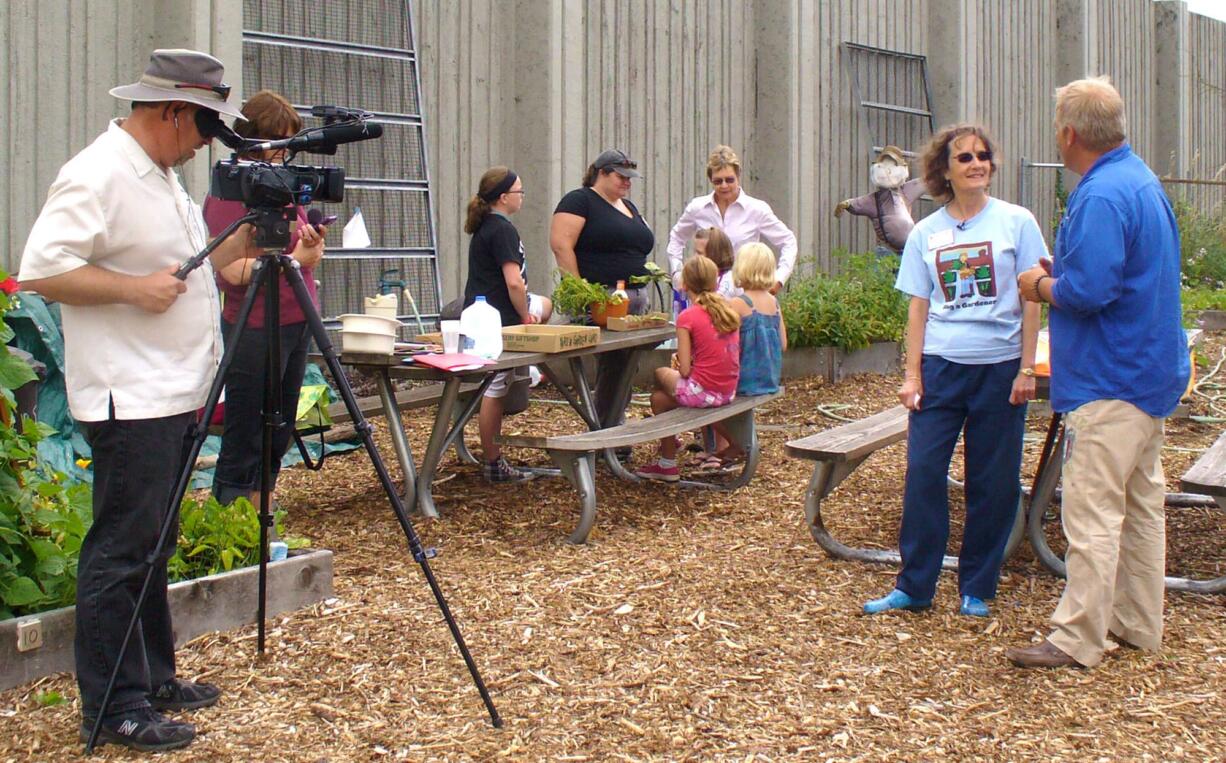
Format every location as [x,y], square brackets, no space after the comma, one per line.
[609,341]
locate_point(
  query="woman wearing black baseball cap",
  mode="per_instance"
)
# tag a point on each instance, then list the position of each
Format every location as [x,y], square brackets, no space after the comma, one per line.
[597,233]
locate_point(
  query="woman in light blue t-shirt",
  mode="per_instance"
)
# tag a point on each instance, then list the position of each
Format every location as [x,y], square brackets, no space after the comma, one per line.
[970,367]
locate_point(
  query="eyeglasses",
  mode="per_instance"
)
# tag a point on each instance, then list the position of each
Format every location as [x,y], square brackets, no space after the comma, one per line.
[966,157]
[520,192]
[723,181]
[222,90]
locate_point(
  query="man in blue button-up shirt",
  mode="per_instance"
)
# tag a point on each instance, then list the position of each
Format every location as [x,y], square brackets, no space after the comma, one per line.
[1119,365]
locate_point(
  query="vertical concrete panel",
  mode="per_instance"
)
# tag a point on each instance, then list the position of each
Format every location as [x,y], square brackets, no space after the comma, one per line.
[1206,86]
[62,57]
[1122,46]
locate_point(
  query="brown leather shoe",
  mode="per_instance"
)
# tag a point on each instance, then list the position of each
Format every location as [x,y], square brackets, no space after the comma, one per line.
[1044,655]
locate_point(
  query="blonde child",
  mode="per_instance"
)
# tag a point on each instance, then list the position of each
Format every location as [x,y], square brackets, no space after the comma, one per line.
[707,362]
[763,335]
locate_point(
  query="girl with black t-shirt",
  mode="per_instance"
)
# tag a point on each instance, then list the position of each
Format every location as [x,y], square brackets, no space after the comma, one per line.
[598,234]
[496,271]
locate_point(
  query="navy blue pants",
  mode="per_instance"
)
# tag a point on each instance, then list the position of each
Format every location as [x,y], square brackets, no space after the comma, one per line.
[956,397]
[136,464]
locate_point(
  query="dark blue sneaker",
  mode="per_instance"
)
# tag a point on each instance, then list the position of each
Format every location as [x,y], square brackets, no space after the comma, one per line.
[141,729]
[177,694]
[974,607]
[896,600]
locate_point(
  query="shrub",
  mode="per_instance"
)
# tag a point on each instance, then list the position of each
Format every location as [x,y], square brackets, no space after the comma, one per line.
[43,516]
[849,310]
[214,538]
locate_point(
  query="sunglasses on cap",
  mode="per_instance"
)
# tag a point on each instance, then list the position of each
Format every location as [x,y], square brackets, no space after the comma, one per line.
[966,157]
[222,90]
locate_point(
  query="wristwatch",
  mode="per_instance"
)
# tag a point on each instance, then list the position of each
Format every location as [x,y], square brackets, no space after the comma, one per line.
[1027,372]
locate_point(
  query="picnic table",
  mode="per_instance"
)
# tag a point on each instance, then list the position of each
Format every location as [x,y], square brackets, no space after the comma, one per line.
[451,416]
[837,452]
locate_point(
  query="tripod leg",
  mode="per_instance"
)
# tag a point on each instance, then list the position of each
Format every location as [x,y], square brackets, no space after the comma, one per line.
[200,434]
[271,416]
[363,428]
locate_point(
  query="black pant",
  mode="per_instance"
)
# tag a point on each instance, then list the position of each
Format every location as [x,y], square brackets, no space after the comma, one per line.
[238,463]
[136,464]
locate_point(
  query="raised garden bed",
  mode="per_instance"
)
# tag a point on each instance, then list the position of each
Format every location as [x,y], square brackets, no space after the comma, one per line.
[214,603]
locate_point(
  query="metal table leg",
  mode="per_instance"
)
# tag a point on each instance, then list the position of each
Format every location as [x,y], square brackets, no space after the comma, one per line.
[442,435]
[1045,490]
[580,470]
[400,441]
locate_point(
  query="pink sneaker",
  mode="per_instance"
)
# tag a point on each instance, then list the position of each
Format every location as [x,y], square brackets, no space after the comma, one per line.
[654,471]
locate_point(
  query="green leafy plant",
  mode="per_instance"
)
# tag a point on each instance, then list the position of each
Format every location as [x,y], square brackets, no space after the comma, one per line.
[43,516]
[849,310]
[217,538]
[574,295]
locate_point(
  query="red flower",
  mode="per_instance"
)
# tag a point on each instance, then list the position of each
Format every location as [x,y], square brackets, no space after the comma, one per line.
[10,285]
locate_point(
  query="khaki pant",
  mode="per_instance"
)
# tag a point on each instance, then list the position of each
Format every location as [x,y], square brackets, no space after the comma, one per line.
[1114,520]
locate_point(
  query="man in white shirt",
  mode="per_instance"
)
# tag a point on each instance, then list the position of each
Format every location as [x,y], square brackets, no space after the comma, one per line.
[740,216]
[141,348]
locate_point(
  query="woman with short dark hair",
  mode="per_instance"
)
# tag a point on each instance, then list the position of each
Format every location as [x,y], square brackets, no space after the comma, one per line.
[970,347]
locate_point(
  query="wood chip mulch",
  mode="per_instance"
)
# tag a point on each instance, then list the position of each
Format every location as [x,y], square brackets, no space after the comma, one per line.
[692,626]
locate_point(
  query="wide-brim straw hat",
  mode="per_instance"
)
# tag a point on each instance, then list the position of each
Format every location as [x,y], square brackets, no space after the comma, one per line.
[182,75]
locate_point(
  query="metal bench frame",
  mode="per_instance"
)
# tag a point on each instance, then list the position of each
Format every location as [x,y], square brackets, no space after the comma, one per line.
[575,454]
[836,462]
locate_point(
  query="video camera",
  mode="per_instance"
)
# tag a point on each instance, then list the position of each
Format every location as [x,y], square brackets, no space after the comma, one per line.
[269,189]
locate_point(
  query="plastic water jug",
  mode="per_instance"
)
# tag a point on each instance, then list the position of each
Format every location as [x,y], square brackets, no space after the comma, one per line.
[481,327]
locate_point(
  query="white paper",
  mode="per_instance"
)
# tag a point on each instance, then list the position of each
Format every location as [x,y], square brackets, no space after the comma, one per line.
[355,236]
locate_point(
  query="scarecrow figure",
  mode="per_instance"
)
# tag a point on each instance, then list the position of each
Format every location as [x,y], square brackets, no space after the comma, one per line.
[889,206]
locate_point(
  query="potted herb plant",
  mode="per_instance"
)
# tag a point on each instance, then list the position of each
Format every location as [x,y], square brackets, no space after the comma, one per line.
[577,297]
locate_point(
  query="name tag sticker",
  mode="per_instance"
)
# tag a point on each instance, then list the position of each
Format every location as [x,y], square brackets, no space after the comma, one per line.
[942,238]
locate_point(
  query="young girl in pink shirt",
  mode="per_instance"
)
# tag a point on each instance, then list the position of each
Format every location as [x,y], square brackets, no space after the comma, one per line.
[707,363]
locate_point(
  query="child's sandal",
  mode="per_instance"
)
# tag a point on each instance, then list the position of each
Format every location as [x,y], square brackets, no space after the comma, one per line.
[711,463]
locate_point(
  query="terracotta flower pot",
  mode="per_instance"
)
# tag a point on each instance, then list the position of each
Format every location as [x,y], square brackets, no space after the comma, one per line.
[603,311]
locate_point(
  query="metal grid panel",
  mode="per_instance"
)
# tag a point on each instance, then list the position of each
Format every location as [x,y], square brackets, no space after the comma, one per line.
[893,89]
[311,59]
[395,219]
[345,281]
[397,155]
[351,21]
[380,83]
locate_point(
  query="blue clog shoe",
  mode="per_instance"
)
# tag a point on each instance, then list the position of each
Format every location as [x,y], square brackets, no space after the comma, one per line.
[974,607]
[896,600]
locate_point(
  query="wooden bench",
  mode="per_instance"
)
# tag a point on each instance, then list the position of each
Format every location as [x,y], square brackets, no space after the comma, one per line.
[574,454]
[836,453]
[1206,477]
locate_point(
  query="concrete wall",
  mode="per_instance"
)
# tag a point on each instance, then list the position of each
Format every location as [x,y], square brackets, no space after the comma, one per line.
[544,85]
[60,59]
[1206,89]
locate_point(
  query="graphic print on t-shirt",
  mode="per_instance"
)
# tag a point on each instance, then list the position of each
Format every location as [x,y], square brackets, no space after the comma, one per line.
[967,275]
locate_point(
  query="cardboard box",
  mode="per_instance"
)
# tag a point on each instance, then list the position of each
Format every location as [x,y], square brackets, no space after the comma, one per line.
[635,322]
[429,338]
[547,338]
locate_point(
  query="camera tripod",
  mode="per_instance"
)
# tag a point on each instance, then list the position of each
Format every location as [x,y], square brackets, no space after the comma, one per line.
[265,278]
